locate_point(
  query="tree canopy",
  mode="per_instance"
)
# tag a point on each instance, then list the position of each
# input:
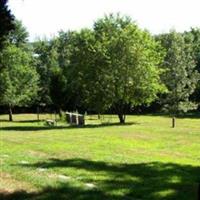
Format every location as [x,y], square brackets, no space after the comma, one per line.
[193,38]
[18,76]
[180,75]
[116,65]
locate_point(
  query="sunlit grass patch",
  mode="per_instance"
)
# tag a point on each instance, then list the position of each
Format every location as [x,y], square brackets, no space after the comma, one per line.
[144,159]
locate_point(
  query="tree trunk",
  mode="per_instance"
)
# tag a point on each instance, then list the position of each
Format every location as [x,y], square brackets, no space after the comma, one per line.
[122,118]
[10,114]
[38,113]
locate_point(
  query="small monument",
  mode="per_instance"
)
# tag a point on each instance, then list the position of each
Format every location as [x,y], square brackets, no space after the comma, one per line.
[75,119]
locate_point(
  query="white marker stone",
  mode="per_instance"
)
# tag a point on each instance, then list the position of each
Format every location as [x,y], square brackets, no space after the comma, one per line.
[90,185]
[41,169]
[24,162]
[63,177]
[5,156]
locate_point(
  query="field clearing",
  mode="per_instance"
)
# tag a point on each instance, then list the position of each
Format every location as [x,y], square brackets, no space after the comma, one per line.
[143,159]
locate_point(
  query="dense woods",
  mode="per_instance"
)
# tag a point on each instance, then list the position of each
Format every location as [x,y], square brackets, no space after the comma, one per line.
[115,66]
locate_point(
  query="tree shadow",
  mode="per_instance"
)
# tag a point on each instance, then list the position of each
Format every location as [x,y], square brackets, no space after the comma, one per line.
[32,128]
[4,120]
[180,116]
[122,181]
[190,116]
[29,121]
[43,128]
[21,121]
[62,192]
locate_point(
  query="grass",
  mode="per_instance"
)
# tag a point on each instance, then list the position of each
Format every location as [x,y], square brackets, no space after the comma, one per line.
[144,159]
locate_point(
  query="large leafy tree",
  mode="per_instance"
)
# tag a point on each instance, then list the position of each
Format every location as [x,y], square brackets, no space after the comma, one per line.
[60,62]
[43,62]
[62,79]
[18,80]
[52,79]
[193,38]
[80,59]
[17,37]
[180,75]
[57,86]
[116,65]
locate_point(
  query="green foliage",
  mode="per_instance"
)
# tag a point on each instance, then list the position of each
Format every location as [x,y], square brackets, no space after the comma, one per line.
[19,81]
[17,37]
[45,60]
[116,65]
[81,62]
[69,61]
[193,38]
[113,66]
[180,75]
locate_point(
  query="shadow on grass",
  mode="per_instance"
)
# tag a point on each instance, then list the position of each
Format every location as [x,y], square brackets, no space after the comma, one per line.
[21,121]
[41,128]
[32,128]
[143,181]
[29,121]
[190,116]
[4,120]
[181,116]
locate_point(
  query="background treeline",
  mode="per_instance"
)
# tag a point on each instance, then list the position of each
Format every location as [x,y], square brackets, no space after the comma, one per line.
[114,67]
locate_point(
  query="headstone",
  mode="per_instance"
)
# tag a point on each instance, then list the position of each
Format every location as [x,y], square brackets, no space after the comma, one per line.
[24,162]
[90,185]
[41,169]
[63,177]
[81,120]
[75,119]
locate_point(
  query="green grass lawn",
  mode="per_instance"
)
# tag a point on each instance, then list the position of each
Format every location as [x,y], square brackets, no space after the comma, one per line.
[144,159]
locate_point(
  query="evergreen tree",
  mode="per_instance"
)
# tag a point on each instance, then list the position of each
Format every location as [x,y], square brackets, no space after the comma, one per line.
[6,21]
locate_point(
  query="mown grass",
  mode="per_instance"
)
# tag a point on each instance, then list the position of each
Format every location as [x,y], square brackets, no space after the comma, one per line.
[143,159]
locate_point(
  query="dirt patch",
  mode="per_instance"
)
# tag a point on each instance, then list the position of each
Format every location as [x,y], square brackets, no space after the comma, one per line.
[8,184]
[38,154]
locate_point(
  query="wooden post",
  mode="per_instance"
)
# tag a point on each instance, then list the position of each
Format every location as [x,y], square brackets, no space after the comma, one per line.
[38,113]
[173,122]
[55,119]
[10,113]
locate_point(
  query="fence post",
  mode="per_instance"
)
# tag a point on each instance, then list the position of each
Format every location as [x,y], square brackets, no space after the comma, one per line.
[173,122]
